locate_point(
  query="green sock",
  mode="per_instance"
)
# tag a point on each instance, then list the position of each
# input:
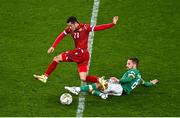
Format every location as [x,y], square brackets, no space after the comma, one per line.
[88,88]
[96,92]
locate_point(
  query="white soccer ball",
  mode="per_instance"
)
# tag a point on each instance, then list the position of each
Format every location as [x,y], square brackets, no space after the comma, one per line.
[66,99]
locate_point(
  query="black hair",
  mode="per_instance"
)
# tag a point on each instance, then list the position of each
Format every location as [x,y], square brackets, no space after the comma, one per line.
[72,19]
[134,60]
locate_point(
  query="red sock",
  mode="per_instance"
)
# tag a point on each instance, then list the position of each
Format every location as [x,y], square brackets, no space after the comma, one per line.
[51,68]
[93,79]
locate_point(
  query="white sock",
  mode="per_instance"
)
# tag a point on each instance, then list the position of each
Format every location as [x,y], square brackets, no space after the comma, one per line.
[100,94]
[45,77]
[78,89]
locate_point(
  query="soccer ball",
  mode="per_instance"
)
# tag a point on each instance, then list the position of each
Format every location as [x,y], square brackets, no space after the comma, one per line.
[66,99]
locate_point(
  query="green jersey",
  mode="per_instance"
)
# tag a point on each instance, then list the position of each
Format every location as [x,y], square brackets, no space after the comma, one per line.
[130,80]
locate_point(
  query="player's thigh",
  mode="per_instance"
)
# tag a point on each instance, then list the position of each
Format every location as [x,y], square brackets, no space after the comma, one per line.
[115,88]
[83,75]
[83,70]
[67,56]
[74,55]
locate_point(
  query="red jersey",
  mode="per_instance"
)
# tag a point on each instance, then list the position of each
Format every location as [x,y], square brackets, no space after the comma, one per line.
[80,36]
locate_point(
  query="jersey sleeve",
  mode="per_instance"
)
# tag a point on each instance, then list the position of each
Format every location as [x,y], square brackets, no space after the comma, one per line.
[102,27]
[148,84]
[98,27]
[60,37]
[88,27]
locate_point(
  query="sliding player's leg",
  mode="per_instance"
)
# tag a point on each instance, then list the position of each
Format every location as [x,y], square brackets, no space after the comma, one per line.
[92,88]
[100,94]
[83,71]
[84,88]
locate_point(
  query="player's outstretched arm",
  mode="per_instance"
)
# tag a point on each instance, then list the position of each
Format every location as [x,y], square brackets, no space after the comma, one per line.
[56,42]
[151,83]
[106,26]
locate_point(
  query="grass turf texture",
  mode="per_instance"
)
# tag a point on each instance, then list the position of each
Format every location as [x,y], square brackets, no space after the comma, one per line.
[146,29]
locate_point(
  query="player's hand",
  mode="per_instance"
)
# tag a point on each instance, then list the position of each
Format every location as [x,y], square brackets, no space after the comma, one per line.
[114,80]
[50,50]
[115,19]
[154,81]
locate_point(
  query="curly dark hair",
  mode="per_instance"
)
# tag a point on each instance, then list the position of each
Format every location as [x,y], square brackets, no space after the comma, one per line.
[72,19]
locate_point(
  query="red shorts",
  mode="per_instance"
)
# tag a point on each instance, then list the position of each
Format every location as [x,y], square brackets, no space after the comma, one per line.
[78,55]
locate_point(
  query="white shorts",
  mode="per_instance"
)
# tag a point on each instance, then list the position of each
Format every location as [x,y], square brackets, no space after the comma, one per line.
[114,89]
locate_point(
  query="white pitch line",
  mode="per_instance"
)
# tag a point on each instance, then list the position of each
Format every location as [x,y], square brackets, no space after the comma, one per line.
[81,104]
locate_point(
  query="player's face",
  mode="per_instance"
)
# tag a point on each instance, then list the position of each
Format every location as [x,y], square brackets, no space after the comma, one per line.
[130,64]
[72,26]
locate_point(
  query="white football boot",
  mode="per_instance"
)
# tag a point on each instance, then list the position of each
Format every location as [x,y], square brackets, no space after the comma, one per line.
[103,82]
[41,78]
[104,96]
[74,90]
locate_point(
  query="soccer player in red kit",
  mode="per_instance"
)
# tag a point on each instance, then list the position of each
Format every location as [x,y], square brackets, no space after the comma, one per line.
[80,54]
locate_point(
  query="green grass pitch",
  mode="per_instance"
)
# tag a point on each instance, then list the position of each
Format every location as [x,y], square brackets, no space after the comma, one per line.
[147,29]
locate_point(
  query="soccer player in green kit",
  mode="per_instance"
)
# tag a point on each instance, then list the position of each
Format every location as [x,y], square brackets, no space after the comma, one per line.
[115,86]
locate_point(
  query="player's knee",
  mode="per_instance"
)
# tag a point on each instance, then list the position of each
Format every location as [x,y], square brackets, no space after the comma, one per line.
[58,58]
[83,76]
[83,79]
